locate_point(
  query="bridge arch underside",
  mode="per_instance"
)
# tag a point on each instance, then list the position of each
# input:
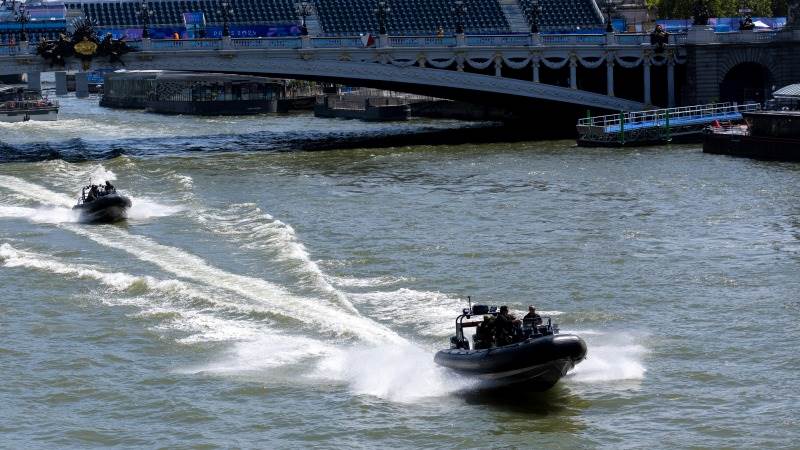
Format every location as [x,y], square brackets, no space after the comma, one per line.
[525,99]
[746,82]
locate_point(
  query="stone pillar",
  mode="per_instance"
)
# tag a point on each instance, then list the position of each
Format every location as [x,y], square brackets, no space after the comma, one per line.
[81,84]
[35,81]
[305,41]
[536,39]
[61,83]
[671,83]
[647,98]
[146,44]
[611,38]
[535,63]
[383,40]
[461,40]
[498,66]
[573,72]
[610,76]
[227,42]
[793,14]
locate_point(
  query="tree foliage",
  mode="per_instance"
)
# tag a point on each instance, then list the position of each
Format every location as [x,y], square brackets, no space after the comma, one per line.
[682,9]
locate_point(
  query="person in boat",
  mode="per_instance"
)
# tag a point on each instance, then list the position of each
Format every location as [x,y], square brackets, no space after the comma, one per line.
[94,192]
[532,315]
[110,189]
[505,326]
[484,333]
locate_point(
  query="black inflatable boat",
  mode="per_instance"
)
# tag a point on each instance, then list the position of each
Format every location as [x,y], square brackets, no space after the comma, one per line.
[102,204]
[537,357]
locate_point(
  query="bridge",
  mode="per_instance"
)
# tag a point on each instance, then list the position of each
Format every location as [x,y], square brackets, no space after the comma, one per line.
[603,72]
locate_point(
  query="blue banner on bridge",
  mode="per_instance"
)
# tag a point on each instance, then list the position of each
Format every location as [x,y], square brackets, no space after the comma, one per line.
[237,31]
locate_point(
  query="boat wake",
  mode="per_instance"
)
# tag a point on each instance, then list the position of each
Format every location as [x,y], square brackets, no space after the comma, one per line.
[268,326]
[612,357]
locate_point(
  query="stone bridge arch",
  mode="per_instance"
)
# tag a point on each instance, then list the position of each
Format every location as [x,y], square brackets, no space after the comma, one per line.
[747,74]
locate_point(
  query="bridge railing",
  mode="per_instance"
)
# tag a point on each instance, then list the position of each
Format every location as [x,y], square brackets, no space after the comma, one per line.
[9,49]
[289,42]
[422,41]
[731,37]
[573,39]
[511,40]
[489,40]
[337,42]
[185,44]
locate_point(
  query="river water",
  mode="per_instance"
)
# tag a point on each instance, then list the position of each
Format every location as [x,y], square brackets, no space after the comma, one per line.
[282,299]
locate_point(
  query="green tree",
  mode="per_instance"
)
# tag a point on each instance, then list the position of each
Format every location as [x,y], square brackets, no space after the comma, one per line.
[718,8]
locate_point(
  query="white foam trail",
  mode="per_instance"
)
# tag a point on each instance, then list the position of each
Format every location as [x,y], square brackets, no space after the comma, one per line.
[202,326]
[12,257]
[400,373]
[143,208]
[248,221]
[35,192]
[189,266]
[610,357]
[267,351]
[40,215]
[437,309]
[366,282]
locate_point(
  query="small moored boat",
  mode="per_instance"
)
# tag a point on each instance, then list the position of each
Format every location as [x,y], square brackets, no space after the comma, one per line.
[22,105]
[537,357]
[102,204]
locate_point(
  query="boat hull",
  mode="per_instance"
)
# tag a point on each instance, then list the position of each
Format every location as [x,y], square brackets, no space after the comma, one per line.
[537,363]
[106,209]
[26,115]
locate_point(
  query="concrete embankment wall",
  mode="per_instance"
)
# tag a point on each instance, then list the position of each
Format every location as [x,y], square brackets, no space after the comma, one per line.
[448,109]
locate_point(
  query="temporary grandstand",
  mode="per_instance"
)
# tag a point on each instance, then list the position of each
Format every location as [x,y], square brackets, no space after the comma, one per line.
[43,21]
[263,18]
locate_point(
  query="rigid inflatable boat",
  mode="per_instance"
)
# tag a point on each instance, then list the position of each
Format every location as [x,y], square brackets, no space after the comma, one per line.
[102,204]
[537,357]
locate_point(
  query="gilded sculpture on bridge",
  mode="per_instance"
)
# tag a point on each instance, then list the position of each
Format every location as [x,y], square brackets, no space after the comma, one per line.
[83,43]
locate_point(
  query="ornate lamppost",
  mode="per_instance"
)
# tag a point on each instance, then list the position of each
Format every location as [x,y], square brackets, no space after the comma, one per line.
[459,11]
[536,14]
[227,15]
[381,12]
[22,17]
[144,15]
[610,7]
[303,10]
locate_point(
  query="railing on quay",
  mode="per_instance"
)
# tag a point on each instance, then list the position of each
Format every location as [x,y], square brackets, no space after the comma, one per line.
[658,117]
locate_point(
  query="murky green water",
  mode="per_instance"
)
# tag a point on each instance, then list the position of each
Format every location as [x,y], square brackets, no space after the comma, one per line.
[294,299]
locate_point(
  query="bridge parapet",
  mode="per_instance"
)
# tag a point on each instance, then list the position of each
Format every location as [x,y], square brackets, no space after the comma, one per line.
[618,40]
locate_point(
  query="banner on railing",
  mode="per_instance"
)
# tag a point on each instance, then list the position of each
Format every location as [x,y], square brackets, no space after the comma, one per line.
[237,31]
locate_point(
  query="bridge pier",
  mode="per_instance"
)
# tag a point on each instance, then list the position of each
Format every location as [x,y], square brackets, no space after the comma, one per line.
[81,85]
[671,83]
[610,76]
[61,83]
[35,81]
[536,69]
[647,97]
[573,72]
